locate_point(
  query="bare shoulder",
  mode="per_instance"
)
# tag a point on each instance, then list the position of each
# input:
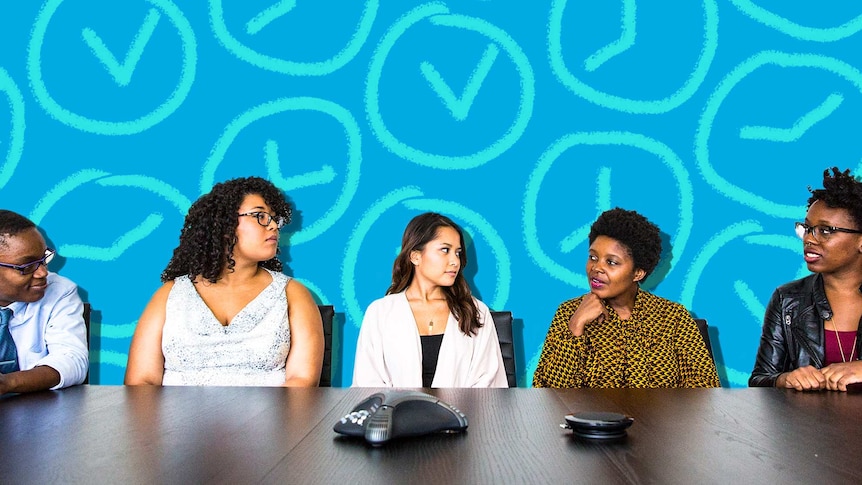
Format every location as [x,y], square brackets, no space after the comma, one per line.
[155,310]
[164,289]
[300,303]
[160,297]
[296,290]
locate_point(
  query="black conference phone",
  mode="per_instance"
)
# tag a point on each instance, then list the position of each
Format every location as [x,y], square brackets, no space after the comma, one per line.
[396,414]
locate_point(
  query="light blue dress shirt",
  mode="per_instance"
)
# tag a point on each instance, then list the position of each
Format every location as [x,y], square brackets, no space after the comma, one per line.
[51,332]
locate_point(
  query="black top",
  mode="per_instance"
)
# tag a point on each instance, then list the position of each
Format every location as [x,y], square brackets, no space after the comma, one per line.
[430,352]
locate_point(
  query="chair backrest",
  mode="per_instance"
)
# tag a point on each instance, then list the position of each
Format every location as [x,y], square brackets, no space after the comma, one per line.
[503,322]
[327,313]
[704,332]
[87,310]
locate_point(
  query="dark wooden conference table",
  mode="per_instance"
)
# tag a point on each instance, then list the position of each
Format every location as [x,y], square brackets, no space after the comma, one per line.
[116,434]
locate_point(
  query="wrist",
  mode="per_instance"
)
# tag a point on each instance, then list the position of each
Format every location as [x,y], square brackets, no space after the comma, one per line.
[577,329]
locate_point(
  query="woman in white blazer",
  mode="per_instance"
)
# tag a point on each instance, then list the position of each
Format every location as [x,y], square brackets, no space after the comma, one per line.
[429,331]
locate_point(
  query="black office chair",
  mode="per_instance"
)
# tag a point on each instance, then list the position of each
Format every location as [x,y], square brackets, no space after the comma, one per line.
[503,322]
[87,311]
[327,313]
[704,332]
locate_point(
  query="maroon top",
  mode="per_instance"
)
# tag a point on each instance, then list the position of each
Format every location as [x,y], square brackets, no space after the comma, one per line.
[832,353]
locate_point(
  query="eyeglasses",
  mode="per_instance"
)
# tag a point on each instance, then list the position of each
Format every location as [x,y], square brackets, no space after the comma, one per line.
[264,218]
[821,233]
[32,266]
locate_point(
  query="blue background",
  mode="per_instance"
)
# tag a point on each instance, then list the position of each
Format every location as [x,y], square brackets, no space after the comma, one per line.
[521,120]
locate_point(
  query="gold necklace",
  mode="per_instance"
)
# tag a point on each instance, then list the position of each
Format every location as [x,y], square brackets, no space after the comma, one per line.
[430,326]
[841,348]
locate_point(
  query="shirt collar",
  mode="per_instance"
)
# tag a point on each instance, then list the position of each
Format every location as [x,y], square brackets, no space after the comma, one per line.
[635,309]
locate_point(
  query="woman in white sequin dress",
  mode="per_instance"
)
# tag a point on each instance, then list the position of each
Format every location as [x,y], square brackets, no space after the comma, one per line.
[226,314]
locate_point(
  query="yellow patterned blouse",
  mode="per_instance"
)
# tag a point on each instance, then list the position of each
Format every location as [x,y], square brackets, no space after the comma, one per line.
[659,346]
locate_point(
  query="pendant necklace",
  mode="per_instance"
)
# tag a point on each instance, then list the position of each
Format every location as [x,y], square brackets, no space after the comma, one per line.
[430,326]
[841,348]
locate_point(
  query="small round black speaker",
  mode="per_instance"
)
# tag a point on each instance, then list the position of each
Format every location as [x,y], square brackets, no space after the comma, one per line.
[599,425]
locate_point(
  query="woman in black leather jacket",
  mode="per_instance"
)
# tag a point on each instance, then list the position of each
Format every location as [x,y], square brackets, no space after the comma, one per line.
[811,335]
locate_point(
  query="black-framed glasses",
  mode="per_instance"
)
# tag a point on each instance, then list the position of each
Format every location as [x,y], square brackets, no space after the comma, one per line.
[821,233]
[32,266]
[264,218]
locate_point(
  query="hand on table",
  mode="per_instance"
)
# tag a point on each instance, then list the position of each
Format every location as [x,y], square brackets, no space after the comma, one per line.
[839,375]
[808,378]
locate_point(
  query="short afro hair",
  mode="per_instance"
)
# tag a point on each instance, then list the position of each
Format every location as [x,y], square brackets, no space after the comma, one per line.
[640,236]
[12,223]
[209,231]
[840,191]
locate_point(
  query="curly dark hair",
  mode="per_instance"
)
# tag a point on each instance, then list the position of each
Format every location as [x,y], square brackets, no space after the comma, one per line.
[640,236]
[209,231]
[421,230]
[840,191]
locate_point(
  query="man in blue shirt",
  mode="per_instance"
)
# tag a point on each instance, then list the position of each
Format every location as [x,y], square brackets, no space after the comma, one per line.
[43,339]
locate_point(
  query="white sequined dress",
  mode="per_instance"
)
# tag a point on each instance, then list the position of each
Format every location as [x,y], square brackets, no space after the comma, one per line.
[251,351]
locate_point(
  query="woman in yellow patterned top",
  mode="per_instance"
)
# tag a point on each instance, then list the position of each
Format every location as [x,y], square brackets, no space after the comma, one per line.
[619,335]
